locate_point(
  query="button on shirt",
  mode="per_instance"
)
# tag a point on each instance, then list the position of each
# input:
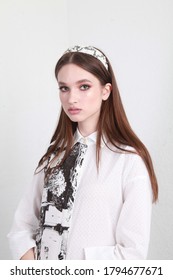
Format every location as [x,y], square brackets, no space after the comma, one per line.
[111,212]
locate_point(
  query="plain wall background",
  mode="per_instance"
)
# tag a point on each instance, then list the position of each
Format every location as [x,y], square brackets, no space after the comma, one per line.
[137,37]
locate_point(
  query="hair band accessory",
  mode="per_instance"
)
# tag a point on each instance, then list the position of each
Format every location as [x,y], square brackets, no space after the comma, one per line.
[92,51]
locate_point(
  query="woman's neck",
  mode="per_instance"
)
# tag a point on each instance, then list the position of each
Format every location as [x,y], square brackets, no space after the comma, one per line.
[86,131]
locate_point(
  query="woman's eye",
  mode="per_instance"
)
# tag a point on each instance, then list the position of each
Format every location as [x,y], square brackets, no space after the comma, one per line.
[63,89]
[84,87]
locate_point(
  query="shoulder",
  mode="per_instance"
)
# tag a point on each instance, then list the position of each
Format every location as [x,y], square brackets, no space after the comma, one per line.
[135,173]
[134,163]
[131,163]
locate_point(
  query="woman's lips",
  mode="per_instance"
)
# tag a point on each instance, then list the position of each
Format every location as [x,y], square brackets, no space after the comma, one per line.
[74,111]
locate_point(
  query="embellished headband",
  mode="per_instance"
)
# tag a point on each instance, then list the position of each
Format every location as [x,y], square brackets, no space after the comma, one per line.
[92,51]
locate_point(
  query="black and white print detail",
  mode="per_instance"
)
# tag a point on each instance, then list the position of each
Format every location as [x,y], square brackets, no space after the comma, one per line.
[57,205]
[92,51]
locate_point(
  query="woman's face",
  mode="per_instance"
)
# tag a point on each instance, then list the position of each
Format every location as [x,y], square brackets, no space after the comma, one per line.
[81,95]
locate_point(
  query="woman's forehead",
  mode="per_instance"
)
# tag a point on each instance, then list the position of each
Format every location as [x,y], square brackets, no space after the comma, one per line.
[74,73]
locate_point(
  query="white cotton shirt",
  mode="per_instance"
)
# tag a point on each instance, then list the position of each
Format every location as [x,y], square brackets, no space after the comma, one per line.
[112,210]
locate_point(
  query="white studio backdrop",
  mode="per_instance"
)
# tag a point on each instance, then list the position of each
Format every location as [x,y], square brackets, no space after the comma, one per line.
[137,37]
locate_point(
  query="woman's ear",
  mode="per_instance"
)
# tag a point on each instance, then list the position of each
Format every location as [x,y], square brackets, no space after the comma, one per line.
[106,91]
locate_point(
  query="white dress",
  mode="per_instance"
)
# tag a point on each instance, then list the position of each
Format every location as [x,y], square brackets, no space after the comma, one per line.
[109,219]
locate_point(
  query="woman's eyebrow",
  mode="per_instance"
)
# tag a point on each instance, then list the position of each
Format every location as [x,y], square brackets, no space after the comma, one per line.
[83,81]
[78,82]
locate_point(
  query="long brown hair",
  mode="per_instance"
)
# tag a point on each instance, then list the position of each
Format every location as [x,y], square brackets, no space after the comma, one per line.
[113,122]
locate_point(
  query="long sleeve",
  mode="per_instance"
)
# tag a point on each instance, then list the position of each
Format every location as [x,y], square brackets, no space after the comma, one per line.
[25,223]
[133,226]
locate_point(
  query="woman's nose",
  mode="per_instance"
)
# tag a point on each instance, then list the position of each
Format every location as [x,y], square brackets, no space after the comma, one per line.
[73,96]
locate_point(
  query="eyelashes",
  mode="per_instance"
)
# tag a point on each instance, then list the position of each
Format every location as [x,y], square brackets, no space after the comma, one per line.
[63,89]
[83,87]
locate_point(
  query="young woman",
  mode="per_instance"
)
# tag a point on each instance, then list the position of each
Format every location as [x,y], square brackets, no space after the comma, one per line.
[92,192]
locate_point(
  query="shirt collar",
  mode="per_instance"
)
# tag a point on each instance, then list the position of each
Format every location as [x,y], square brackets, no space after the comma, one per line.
[90,139]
